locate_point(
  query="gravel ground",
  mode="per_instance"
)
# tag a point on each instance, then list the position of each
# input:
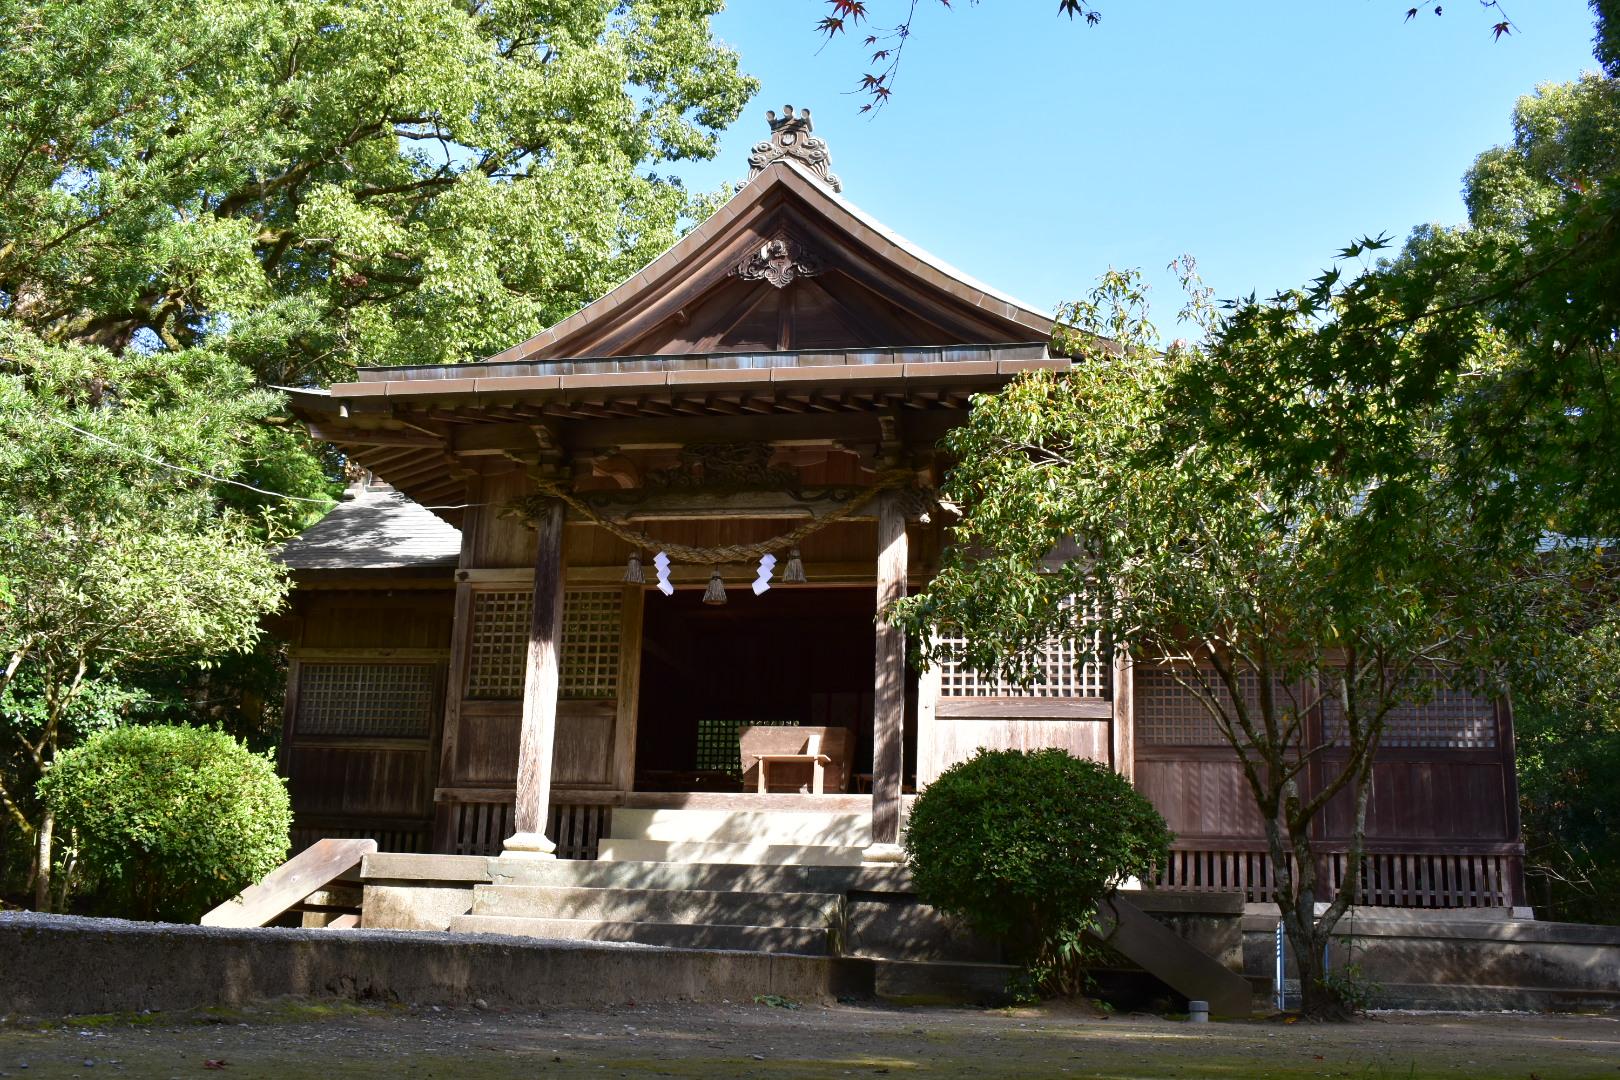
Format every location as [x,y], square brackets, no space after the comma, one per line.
[298,1040]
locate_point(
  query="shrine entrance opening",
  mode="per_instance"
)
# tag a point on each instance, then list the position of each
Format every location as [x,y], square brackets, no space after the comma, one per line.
[795,657]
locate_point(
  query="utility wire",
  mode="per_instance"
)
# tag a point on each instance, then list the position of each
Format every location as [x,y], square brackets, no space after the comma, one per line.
[218,479]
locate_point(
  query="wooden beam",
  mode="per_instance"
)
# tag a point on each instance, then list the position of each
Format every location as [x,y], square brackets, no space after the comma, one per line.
[889,682]
[540,686]
[372,437]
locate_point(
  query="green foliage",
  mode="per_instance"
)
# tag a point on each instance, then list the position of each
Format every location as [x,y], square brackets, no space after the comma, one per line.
[1567,726]
[1350,988]
[114,564]
[1024,845]
[320,183]
[1506,325]
[1191,555]
[169,821]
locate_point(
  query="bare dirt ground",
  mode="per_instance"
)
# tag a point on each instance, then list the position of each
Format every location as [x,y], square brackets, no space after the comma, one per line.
[299,1040]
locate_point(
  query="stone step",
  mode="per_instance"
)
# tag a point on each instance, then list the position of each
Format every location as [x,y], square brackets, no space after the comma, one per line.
[817,910]
[810,827]
[757,854]
[720,877]
[801,940]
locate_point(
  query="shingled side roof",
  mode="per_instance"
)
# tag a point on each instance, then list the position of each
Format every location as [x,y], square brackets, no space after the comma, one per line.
[374,528]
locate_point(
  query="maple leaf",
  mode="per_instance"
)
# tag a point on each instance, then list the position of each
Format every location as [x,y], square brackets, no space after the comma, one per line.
[1411,13]
[830,25]
[214,1063]
[1501,28]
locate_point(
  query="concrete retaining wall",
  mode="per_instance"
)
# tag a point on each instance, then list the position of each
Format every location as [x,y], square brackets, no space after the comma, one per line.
[58,965]
[1464,959]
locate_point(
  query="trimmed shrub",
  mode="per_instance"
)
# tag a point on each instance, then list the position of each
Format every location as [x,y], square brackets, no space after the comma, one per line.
[1023,845]
[169,821]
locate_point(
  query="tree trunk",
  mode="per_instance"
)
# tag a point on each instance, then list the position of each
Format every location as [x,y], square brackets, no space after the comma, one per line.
[42,877]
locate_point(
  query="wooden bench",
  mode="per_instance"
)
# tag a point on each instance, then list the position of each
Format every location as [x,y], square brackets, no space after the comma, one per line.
[814,759]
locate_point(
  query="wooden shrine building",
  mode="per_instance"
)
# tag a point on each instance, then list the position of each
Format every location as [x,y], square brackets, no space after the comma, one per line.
[488,656]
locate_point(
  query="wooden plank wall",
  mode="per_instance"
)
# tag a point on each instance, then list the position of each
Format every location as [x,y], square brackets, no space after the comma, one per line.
[1442,825]
[351,773]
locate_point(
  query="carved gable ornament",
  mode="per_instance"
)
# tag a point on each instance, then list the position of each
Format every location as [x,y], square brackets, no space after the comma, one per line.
[791,138]
[780,261]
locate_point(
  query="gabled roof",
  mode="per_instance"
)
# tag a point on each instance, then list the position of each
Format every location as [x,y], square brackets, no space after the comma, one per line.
[374,528]
[787,264]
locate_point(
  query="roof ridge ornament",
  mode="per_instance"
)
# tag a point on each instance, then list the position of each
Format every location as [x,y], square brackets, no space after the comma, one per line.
[791,138]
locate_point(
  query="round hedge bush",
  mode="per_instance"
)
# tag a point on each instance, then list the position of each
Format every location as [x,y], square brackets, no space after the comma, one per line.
[1023,845]
[169,821]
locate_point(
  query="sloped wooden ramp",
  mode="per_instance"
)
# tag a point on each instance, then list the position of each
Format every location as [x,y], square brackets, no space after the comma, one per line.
[1174,961]
[298,879]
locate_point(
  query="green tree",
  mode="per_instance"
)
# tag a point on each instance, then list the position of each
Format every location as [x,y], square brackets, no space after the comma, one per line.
[1509,324]
[331,182]
[1263,603]
[110,561]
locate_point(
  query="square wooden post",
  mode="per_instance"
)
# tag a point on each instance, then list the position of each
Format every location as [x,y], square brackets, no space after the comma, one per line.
[1123,742]
[889,685]
[540,685]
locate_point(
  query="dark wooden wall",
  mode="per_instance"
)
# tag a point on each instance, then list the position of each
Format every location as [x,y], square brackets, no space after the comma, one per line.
[364,706]
[1442,822]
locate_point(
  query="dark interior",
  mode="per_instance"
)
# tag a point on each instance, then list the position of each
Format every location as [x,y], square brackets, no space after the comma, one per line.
[792,656]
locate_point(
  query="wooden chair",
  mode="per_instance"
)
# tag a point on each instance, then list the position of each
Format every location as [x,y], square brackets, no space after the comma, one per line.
[816,759]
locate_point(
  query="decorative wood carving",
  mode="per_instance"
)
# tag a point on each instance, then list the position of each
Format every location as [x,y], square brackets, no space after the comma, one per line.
[791,138]
[780,262]
[724,466]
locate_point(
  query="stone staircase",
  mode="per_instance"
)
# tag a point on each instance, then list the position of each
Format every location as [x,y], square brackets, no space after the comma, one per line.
[792,884]
[778,909]
[738,837]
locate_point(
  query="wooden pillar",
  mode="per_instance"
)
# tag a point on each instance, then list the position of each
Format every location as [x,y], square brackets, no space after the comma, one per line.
[1123,743]
[540,685]
[889,685]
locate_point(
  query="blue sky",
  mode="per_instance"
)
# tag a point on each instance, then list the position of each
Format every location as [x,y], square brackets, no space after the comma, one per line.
[1259,137]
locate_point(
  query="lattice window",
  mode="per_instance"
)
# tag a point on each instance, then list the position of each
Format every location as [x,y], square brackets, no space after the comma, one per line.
[498,652]
[1070,667]
[1450,719]
[1169,714]
[590,644]
[718,745]
[365,700]
[500,643]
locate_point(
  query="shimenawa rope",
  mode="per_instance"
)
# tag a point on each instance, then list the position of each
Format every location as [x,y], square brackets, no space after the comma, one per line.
[887,481]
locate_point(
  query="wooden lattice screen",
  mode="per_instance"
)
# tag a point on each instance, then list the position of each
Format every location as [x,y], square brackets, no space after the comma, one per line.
[1450,719]
[1067,668]
[367,700]
[1170,714]
[500,639]
[499,644]
[718,748]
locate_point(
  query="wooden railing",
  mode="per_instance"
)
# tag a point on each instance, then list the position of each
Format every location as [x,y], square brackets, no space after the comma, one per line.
[479,825]
[1417,879]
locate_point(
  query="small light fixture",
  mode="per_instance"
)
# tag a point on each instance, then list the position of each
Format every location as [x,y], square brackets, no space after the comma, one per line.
[632,571]
[716,592]
[793,573]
